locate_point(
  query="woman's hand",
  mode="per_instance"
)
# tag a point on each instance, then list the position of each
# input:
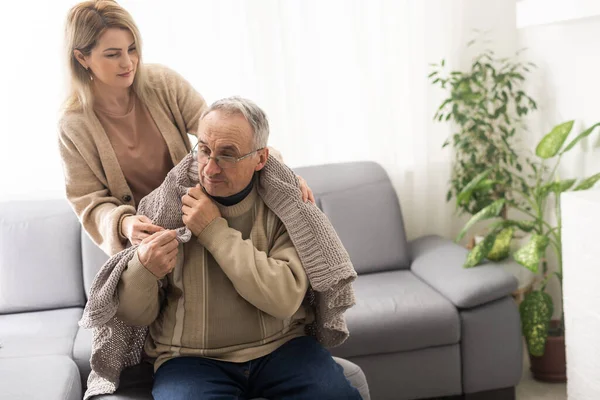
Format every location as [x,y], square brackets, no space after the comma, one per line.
[158,253]
[307,193]
[137,228]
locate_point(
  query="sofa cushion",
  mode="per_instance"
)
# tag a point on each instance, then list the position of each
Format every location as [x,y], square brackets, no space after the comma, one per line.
[396,311]
[356,376]
[40,257]
[39,333]
[43,378]
[360,201]
[92,258]
[439,262]
[82,352]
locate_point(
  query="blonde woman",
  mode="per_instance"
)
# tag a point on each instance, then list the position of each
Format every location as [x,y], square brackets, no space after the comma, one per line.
[125,125]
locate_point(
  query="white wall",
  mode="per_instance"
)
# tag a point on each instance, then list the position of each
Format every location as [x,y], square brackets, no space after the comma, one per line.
[31,90]
[566,86]
[581,253]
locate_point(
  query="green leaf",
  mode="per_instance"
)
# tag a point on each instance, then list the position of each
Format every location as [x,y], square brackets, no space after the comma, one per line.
[444,104]
[530,255]
[562,186]
[556,187]
[434,73]
[465,195]
[485,185]
[532,103]
[525,226]
[480,251]
[588,182]
[491,211]
[536,312]
[553,141]
[579,137]
[501,248]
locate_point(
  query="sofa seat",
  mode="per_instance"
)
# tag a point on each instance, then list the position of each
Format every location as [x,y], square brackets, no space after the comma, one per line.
[39,333]
[396,311]
[52,377]
[82,352]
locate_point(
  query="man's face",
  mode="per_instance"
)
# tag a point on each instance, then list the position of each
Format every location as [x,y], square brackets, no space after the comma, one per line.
[225,134]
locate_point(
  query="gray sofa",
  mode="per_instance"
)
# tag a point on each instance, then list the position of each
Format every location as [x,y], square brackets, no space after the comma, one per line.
[422,327]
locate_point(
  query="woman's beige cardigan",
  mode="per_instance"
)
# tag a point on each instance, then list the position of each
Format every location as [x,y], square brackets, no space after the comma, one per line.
[95,185]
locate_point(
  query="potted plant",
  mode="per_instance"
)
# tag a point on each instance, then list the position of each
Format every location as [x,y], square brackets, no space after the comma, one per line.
[544,337]
[486,103]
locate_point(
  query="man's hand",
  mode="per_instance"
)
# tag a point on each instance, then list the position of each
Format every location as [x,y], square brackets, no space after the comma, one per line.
[198,210]
[158,252]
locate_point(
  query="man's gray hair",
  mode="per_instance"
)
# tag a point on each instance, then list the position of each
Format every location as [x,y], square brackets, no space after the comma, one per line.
[255,116]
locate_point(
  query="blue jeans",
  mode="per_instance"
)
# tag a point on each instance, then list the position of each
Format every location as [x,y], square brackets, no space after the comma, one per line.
[300,369]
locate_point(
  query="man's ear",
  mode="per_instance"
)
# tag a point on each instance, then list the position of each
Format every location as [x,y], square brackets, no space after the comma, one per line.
[264,156]
[81,58]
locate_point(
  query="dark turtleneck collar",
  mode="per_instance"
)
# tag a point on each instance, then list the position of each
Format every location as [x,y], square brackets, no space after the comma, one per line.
[235,198]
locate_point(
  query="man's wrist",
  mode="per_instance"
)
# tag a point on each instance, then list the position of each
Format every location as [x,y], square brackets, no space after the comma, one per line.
[198,231]
[211,232]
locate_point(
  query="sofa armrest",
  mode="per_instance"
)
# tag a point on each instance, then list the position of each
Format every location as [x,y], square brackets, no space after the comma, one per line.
[439,262]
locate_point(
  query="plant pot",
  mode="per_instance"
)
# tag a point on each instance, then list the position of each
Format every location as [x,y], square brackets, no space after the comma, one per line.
[552,366]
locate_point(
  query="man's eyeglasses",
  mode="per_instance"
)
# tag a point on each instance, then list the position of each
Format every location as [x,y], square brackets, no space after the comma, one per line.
[202,155]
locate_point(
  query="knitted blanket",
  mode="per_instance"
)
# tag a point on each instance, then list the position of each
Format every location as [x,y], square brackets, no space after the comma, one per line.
[116,345]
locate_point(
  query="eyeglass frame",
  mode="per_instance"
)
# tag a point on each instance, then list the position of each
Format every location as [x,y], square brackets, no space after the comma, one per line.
[217,158]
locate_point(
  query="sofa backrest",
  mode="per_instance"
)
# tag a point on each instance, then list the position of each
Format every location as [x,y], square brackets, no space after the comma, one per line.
[48,262]
[93,259]
[361,203]
[40,256]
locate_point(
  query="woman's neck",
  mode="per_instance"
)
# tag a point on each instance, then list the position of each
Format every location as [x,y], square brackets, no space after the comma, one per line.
[111,99]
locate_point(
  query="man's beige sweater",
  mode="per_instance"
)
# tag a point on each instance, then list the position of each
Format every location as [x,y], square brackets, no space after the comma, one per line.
[235,295]
[117,345]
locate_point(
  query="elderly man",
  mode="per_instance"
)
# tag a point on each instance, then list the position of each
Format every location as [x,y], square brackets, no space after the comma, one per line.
[225,311]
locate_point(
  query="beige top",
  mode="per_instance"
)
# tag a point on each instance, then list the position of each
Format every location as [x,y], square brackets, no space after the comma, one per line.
[140,148]
[96,186]
[235,295]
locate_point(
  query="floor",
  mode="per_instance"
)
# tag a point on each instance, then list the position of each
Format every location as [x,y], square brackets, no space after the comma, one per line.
[530,389]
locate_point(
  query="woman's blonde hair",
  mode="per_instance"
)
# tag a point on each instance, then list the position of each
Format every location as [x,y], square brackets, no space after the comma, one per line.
[86,22]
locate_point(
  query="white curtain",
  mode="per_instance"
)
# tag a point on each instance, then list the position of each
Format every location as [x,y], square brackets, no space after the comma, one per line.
[341,80]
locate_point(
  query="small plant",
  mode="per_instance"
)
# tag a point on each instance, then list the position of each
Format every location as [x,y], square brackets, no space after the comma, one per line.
[537,308]
[487,104]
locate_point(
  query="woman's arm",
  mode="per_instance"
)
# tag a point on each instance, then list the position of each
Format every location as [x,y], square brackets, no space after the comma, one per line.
[99,212]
